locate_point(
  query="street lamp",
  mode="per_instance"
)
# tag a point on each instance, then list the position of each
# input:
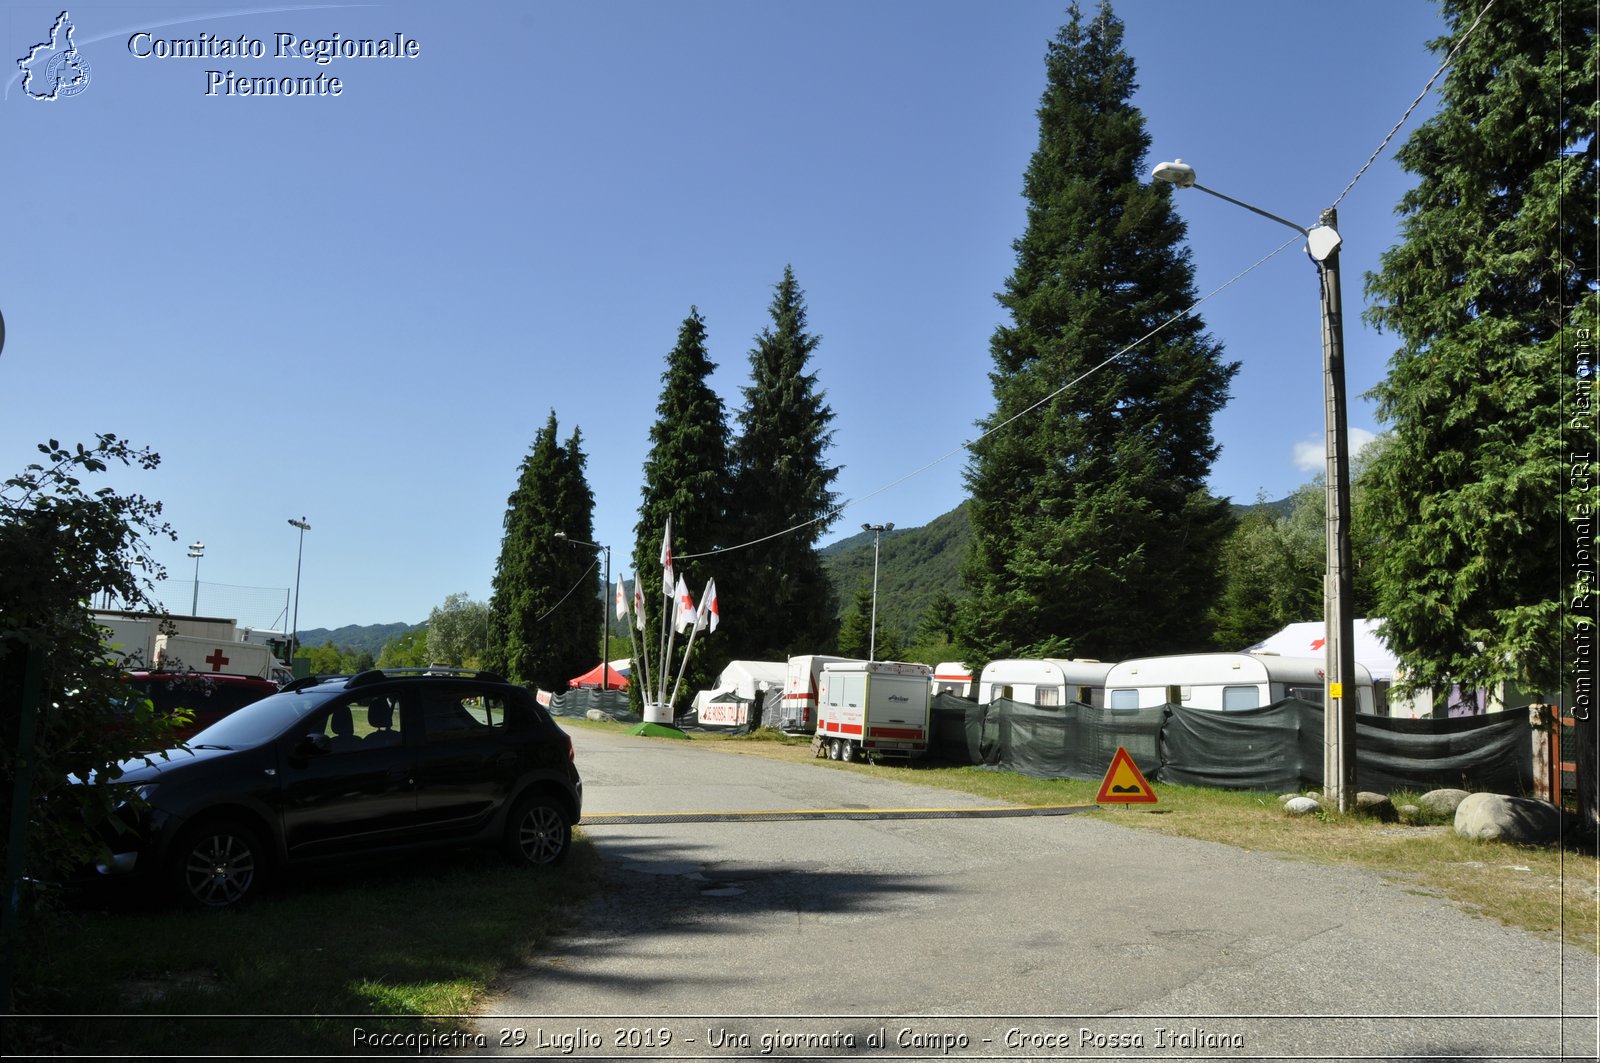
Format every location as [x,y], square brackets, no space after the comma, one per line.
[605,614]
[877,531]
[1339,721]
[196,551]
[294,634]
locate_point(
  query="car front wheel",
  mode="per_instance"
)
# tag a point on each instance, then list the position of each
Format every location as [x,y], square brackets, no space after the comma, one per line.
[219,864]
[538,833]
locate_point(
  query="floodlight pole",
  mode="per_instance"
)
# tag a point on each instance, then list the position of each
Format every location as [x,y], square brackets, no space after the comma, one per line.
[1338,596]
[197,550]
[294,633]
[877,531]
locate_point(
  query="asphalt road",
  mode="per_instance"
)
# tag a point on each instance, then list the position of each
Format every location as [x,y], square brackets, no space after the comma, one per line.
[958,936]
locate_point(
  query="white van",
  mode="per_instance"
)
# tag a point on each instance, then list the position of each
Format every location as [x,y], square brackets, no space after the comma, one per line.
[1044,681]
[1226,682]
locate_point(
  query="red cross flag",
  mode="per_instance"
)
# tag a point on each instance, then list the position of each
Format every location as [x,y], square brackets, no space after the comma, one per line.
[622,601]
[708,607]
[666,555]
[638,601]
[684,615]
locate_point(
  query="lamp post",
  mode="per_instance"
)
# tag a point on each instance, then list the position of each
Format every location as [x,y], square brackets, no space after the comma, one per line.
[1339,706]
[294,634]
[877,531]
[605,614]
[196,551]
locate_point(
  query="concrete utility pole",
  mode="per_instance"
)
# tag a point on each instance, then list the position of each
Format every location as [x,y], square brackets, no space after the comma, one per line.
[1338,704]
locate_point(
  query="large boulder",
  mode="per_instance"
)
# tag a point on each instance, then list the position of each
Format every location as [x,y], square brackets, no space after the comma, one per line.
[1377,806]
[1301,806]
[1442,802]
[1496,817]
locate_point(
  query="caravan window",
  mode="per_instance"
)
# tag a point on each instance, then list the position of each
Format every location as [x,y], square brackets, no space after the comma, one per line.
[1236,698]
[1050,696]
[1124,699]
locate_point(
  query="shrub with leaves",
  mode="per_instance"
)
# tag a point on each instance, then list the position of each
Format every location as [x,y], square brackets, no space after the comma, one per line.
[64,545]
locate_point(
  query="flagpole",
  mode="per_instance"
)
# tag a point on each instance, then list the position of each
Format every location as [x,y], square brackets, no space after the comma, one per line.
[666,664]
[622,615]
[702,616]
[635,625]
[665,645]
[684,666]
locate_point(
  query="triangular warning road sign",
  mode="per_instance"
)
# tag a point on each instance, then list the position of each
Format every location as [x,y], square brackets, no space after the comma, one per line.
[1125,783]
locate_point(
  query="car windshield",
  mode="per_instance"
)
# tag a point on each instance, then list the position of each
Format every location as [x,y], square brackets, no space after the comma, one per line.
[263,720]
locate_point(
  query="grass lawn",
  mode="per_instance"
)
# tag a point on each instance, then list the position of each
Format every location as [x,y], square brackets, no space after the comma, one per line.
[409,946]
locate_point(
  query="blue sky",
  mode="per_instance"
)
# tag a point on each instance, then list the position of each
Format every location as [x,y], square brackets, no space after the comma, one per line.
[360,308]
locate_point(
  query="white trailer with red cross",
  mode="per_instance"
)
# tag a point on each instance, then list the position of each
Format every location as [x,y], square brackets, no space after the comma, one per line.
[191,653]
[868,709]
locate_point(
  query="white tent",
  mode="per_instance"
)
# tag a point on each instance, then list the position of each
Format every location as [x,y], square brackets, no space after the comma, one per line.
[746,679]
[1307,640]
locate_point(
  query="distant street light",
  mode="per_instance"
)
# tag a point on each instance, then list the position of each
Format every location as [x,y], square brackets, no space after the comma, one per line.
[877,531]
[196,551]
[1339,705]
[294,634]
[605,612]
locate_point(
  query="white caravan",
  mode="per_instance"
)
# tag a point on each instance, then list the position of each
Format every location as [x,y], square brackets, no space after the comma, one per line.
[953,677]
[1044,681]
[1226,682]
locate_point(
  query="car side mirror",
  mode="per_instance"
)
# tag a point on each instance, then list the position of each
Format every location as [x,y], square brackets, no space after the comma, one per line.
[315,742]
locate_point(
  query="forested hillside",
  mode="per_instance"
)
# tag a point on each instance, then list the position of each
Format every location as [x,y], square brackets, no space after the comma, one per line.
[917,567]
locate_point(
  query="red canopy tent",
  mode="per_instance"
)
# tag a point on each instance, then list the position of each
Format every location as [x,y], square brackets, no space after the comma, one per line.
[615,680]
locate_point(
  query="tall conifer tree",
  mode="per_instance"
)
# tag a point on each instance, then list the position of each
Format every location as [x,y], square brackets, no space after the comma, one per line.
[686,477]
[782,600]
[1486,293]
[1094,534]
[545,620]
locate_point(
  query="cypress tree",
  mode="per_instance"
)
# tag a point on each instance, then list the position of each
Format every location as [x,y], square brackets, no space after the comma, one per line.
[782,600]
[1487,294]
[1094,533]
[686,477]
[543,613]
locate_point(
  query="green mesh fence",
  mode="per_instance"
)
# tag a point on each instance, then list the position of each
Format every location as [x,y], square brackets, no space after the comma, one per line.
[1277,748]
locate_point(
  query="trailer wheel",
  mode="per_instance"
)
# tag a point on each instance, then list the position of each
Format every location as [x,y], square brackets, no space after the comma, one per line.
[849,753]
[834,750]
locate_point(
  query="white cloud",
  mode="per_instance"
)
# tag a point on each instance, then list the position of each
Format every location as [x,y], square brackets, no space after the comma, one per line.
[1311,455]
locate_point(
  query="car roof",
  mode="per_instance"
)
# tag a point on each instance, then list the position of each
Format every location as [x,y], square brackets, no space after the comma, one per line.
[374,676]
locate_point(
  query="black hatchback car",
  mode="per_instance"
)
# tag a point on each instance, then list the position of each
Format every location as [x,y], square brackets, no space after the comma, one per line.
[332,768]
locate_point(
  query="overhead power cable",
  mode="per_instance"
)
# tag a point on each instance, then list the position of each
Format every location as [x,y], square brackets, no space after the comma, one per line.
[1448,59]
[829,516]
[1179,316]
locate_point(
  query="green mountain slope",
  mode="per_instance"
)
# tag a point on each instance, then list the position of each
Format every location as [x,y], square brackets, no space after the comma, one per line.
[915,565]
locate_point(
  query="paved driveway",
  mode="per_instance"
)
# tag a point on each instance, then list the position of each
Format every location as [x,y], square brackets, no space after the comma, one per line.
[1040,937]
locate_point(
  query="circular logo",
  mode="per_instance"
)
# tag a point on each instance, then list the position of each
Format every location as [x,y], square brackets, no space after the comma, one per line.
[67,73]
